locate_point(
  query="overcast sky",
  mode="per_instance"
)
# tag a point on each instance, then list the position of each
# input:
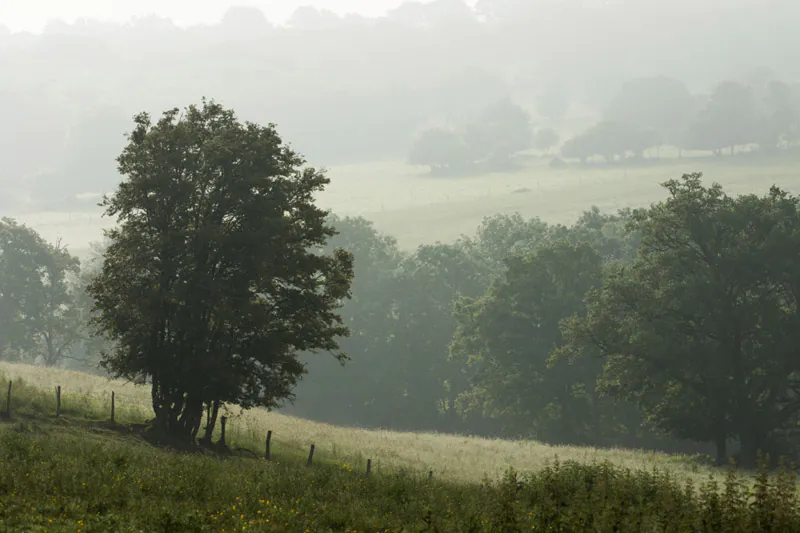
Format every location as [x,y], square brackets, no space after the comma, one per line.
[32,15]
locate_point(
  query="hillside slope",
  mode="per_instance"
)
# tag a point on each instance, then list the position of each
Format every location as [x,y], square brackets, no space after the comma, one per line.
[451,457]
[78,472]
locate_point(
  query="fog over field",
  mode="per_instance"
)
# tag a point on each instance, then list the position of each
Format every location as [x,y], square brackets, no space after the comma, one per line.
[573,223]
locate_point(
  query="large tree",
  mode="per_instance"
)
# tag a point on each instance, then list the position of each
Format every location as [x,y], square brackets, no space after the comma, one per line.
[701,330]
[215,277]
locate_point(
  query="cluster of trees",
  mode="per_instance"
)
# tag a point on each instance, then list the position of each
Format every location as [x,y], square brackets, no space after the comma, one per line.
[653,112]
[648,328]
[487,143]
[654,327]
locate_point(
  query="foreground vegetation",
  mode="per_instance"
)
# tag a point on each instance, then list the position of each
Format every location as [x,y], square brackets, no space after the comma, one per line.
[79,474]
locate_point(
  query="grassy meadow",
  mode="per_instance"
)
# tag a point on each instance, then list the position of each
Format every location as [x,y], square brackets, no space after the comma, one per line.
[80,473]
[454,458]
[416,208]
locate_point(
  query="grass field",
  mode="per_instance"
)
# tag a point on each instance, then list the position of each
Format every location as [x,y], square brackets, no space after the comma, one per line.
[451,457]
[79,473]
[418,209]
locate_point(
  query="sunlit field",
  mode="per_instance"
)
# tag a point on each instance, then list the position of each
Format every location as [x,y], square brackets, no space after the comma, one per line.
[450,457]
[416,208]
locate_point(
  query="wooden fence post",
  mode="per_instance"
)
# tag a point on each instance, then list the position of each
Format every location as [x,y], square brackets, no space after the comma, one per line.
[269,438]
[310,456]
[112,406]
[58,401]
[8,401]
[222,422]
[369,466]
[430,475]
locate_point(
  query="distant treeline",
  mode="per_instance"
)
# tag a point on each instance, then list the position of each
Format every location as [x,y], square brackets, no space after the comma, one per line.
[647,114]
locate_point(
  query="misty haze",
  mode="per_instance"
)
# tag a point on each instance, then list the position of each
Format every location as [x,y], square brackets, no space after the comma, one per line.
[446,265]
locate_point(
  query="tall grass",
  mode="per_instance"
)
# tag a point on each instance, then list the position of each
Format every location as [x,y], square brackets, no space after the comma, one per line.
[72,474]
[453,457]
[55,480]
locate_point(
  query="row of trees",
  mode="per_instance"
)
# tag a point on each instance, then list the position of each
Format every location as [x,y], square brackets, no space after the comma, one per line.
[646,328]
[647,113]
[653,112]
[223,280]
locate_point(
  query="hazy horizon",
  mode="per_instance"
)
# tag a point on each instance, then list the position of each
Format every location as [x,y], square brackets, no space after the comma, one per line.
[33,16]
[359,99]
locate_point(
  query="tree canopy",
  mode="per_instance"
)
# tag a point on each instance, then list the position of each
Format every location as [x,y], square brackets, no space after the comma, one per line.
[215,277]
[701,330]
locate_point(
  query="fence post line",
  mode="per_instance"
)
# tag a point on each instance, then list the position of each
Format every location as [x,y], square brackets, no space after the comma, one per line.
[269,438]
[310,456]
[58,401]
[369,466]
[112,406]
[8,400]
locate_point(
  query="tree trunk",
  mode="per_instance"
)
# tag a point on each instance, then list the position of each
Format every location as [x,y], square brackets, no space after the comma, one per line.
[52,356]
[158,401]
[211,422]
[190,418]
[167,405]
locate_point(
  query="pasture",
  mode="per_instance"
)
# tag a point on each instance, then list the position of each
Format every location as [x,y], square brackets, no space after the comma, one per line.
[79,474]
[416,208]
[454,458]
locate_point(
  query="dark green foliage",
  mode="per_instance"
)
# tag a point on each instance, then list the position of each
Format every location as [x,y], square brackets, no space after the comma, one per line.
[214,279]
[700,330]
[400,319]
[506,338]
[402,322]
